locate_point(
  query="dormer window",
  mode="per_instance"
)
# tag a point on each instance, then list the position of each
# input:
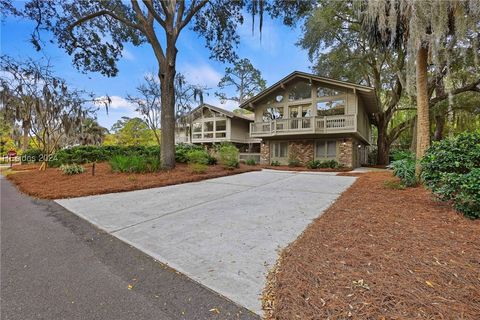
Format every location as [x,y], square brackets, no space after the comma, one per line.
[300,91]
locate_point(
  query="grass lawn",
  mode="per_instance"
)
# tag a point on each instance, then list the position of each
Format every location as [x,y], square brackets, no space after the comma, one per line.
[380,253]
[53,184]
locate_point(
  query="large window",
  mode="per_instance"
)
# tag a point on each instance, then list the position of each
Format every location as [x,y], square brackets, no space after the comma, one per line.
[279,149]
[331,108]
[301,90]
[272,113]
[197,127]
[326,149]
[221,125]
[327,92]
[208,126]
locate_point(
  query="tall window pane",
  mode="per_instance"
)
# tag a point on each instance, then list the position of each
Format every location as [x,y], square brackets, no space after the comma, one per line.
[331,149]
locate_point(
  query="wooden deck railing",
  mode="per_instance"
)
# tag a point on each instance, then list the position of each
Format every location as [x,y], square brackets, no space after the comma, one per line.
[328,124]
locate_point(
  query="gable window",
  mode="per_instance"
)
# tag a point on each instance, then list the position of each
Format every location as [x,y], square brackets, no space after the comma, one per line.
[327,92]
[301,90]
[331,107]
[326,149]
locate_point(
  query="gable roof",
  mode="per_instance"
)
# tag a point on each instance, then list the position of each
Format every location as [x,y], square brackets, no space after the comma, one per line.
[366,93]
[220,110]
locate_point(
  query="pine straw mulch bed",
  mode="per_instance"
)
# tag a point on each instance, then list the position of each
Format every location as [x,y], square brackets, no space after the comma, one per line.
[53,184]
[379,253]
[287,168]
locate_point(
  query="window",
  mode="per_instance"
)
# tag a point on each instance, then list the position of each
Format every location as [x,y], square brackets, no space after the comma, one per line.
[197,136]
[279,98]
[280,149]
[273,113]
[208,135]
[220,135]
[326,149]
[331,108]
[327,92]
[207,113]
[208,126]
[197,127]
[301,90]
[221,125]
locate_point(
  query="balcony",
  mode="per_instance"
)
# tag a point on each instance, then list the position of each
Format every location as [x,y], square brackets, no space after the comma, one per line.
[307,125]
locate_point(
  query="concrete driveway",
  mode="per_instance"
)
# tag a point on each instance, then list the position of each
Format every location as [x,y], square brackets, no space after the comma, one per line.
[224,232]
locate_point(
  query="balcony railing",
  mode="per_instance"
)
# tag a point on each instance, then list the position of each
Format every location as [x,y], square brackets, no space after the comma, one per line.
[328,124]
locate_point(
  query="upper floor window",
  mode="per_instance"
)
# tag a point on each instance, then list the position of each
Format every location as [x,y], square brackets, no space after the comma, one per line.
[327,92]
[272,113]
[220,125]
[301,90]
[331,108]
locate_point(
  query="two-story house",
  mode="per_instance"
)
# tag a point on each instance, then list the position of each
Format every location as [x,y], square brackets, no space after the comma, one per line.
[306,117]
[208,125]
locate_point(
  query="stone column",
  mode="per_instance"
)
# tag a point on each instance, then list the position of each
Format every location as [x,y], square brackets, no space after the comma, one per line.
[265,152]
[345,156]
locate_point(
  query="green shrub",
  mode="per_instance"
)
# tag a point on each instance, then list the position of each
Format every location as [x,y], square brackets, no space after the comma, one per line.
[134,164]
[402,154]
[71,169]
[333,164]
[198,168]
[251,162]
[31,155]
[275,163]
[212,160]
[451,169]
[405,170]
[198,156]
[313,164]
[294,163]
[228,154]
[86,154]
[182,150]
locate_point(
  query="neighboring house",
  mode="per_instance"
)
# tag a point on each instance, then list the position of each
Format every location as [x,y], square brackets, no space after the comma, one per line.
[305,117]
[208,125]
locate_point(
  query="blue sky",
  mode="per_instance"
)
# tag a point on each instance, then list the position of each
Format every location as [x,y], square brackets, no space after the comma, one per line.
[275,56]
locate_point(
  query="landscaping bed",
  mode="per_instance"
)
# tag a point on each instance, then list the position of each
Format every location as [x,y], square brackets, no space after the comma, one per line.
[53,184]
[380,253]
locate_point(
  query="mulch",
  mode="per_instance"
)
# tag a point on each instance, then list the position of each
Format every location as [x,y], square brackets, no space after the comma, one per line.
[380,253]
[53,184]
[287,168]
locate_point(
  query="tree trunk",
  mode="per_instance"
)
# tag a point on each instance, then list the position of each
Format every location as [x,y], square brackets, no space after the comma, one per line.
[383,147]
[423,119]
[413,143]
[439,125]
[167,117]
[25,136]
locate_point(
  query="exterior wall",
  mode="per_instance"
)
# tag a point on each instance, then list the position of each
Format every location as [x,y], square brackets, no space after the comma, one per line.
[239,130]
[302,151]
[348,153]
[363,124]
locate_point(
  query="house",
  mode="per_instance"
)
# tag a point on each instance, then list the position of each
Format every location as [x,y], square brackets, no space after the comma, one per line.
[208,125]
[305,117]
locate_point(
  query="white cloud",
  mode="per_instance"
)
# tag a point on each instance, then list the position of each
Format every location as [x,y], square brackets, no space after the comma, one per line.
[215,101]
[201,74]
[120,103]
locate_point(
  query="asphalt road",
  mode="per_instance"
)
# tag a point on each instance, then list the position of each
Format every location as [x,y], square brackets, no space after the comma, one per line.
[54,265]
